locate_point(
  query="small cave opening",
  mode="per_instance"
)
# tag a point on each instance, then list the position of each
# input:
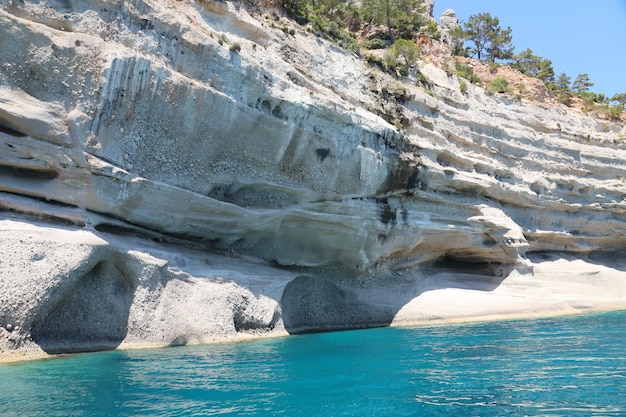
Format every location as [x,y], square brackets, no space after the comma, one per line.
[472,267]
[44,174]
[10,131]
[91,314]
[120,230]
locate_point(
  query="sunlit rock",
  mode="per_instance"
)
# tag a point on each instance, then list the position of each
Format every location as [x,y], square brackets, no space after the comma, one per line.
[160,187]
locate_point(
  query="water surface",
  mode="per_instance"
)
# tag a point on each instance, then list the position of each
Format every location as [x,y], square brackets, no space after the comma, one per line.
[571,366]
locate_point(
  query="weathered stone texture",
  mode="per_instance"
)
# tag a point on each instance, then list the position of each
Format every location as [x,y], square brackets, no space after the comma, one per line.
[135,120]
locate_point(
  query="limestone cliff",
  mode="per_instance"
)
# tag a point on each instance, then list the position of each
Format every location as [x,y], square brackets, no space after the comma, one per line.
[176,171]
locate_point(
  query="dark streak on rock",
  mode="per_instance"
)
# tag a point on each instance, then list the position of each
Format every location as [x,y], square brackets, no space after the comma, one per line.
[322,153]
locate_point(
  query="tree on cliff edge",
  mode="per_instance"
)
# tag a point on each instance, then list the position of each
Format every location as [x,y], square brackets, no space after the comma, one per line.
[489,39]
[529,63]
[620,98]
[582,83]
[398,14]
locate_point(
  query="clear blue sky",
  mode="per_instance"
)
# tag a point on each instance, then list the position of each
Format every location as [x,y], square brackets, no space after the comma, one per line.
[578,36]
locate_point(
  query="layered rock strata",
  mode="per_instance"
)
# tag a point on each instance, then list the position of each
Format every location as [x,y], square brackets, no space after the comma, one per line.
[180,171]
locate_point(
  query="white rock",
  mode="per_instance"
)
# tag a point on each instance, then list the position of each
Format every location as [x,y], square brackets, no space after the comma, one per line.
[274,156]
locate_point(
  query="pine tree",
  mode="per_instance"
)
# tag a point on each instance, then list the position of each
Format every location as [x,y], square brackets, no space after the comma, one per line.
[500,46]
[620,98]
[490,40]
[295,7]
[563,81]
[526,62]
[546,71]
[407,50]
[534,65]
[403,14]
[582,83]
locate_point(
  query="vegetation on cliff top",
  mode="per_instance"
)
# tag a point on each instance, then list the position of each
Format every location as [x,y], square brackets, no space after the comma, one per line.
[394,25]
[488,41]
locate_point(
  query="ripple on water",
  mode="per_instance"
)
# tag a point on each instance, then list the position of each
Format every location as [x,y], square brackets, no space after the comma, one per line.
[563,367]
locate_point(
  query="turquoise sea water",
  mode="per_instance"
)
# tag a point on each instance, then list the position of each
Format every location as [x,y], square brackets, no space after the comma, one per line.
[573,366]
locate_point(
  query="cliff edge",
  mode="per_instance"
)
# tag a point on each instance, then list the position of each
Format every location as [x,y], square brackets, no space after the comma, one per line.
[183,171]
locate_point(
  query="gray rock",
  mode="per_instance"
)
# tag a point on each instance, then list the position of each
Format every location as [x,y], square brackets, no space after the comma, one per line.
[429,7]
[178,194]
[448,22]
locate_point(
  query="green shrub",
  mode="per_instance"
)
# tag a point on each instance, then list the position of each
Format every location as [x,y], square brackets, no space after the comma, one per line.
[374,60]
[432,30]
[463,87]
[407,50]
[235,47]
[318,23]
[498,85]
[466,72]
[589,100]
[421,78]
[614,112]
[390,60]
[564,97]
[375,43]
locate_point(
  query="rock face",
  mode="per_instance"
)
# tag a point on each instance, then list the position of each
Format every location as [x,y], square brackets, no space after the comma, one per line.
[160,185]
[448,22]
[427,7]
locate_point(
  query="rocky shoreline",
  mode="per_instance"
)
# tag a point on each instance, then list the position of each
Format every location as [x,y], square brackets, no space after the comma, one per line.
[159,187]
[76,290]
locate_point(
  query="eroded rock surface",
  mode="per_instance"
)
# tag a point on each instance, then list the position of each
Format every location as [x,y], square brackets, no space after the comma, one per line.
[160,187]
